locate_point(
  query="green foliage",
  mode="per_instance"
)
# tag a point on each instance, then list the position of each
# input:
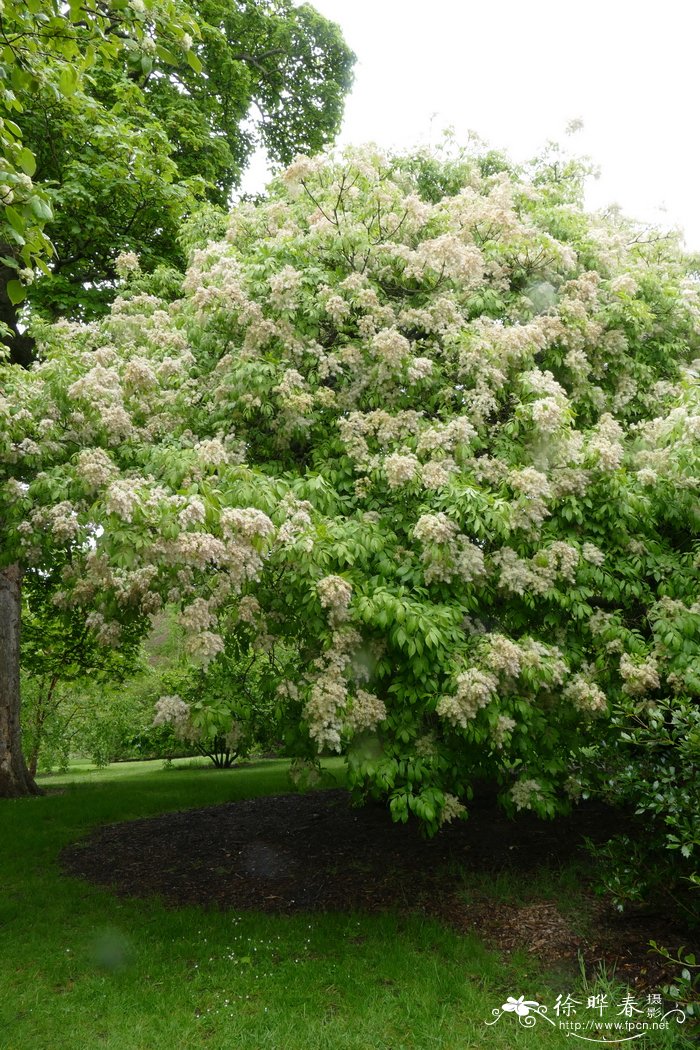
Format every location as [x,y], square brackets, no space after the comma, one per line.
[49,51]
[66,671]
[231,708]
[134,120]
[651,765]
[96,720]
[686,988]
[430,458]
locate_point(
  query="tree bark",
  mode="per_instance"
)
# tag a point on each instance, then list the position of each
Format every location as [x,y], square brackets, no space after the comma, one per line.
[15,780]
[22,346]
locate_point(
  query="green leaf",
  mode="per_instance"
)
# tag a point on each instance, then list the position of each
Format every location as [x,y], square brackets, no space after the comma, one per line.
[16,292]
[167,56]
[15,220]
[41,208]
[68,81]
[27,161]
[194,62]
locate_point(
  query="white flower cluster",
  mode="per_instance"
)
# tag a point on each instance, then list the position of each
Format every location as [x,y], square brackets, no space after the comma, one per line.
[391,348]
[400,469]
[585,695]
[383,427]
[198,550]
[548,414]
[139,375]
[126,263]
[435,528]
[451,809]
[172,710]
[197,616]
[249,610]
[108,632]
[548,411]
[538,574]
[338,309]
[592,554]
[193,513]
[503,727]
[606,443]
[329,690]
[301,169]
[132,587]
[95,467]
[365,711]
[419,368]
[212,453]
[100,386]
[284,286]
[335,594]
[525,792]
[503,656]
[639,678]
[117,422]
[426,747]
[548,658]
[204,646]
[647,477]
[447,436]
[60,521]
[475,689]
[448,256]
[436,474]
[246,522]
[291,383]
[446,554]
[625,284]
[530,482]
[122,498]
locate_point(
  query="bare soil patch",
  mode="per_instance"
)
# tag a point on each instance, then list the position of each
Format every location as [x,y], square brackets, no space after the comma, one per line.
[317,853]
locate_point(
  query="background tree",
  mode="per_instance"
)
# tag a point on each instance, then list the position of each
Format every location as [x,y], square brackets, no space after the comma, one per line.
[128,152]
[49,47]
[58,649]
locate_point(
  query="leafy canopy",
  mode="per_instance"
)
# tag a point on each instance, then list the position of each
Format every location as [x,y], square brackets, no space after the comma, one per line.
[128,118]
[48,49]
[425,428]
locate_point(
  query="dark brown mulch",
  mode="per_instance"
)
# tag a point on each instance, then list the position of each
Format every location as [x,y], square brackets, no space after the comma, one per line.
[315,852]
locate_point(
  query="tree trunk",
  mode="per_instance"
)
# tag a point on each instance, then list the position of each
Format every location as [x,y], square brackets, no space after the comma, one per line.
[22,346]
[15,780]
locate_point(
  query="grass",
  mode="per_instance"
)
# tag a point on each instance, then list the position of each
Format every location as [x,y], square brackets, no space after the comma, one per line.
[81,968]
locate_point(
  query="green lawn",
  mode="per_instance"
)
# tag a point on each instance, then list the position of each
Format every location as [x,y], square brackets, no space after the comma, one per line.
[81,969]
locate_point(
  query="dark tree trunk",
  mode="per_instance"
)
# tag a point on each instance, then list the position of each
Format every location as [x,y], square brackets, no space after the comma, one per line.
[21,345]
[15,780]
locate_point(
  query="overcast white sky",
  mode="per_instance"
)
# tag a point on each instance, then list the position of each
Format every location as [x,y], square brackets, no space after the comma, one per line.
[517,72]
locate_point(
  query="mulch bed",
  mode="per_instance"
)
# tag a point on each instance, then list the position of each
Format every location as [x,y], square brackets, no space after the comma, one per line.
[316,853]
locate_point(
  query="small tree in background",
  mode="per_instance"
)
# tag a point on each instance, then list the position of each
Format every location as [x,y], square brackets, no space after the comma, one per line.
[65,668]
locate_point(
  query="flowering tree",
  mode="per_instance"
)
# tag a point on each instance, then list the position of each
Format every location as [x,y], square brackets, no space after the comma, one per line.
[428,430]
